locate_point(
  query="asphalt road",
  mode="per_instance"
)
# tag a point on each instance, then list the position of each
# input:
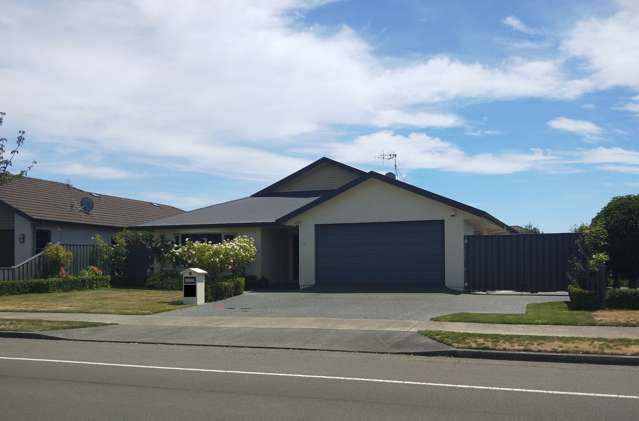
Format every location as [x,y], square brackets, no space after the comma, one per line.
[59,380]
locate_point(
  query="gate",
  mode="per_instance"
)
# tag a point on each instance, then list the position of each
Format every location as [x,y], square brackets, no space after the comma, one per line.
[523,262]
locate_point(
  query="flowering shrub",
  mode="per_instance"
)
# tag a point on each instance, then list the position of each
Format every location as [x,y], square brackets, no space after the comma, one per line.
[228,256]
[59,259]
[90,271]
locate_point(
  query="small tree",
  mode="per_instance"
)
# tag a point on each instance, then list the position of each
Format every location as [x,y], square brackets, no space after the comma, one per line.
[7,155]
[620,219]
[103,252]
[59,259]
[530,229]
[587,275]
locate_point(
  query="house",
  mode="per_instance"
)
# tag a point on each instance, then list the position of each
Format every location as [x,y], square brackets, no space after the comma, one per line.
[34,212]
[333,225]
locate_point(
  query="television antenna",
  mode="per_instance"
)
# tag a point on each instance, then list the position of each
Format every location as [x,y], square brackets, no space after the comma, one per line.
[388,157]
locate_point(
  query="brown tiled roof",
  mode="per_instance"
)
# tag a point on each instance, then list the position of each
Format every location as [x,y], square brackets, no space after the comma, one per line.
[52,201]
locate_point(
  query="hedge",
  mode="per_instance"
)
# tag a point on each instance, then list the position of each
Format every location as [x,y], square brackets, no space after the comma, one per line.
[164,280]
[582,299]
[70,283]
[623,298]
[224,288]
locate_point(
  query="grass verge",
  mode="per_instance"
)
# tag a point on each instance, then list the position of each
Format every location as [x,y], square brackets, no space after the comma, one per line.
[21,325]
[572,345]
[552,313]
[105,301]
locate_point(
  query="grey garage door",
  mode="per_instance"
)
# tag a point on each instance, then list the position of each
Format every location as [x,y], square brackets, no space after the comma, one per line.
[392,255]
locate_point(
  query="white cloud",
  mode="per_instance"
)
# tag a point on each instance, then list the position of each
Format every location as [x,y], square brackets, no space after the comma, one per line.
[625,169]
[420,151]
[632,105]
[517,25]
[89,171]
[610,46]
[614,155]
[579,127]
[416,119]
[182,201]
[208,85]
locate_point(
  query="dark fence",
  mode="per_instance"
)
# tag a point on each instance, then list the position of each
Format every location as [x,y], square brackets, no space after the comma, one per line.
[525,262]
[38,267]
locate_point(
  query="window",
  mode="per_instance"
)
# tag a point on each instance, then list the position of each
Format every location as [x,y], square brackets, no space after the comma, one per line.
[229,237]
[203,238]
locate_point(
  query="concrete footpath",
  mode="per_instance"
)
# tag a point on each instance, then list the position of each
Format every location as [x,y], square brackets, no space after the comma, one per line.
[332,324]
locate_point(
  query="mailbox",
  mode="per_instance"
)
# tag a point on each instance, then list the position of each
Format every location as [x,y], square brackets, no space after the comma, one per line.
[193,291]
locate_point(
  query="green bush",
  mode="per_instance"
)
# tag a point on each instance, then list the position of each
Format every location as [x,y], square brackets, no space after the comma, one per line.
[224,288]
[238,285]
[229,256]
[169,279]
[623,298]
[581,299]
[59,259]
[69,283]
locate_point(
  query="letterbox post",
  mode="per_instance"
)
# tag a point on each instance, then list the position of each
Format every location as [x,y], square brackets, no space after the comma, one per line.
[193,286]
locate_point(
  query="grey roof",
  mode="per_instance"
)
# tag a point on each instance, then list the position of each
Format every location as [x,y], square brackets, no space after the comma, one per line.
[246,211]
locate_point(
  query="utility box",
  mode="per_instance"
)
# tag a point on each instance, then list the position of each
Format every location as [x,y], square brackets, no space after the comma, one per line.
[193,291]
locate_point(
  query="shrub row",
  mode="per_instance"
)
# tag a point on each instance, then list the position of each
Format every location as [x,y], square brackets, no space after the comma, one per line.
[164,280]
[583,299]
[623,298]
[224,288]
[70,283]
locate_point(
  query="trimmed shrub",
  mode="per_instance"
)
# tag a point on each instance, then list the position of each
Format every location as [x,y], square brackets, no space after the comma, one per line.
[623,298]
[238,285]
[224,288]
[69,283]
[169,279]
[582,299]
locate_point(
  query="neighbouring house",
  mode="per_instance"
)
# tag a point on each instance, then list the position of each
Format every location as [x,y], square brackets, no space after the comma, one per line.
[34,212]
[334,226]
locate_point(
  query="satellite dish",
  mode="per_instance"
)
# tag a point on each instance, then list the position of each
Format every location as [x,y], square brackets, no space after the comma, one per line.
[86,204]
[390,175]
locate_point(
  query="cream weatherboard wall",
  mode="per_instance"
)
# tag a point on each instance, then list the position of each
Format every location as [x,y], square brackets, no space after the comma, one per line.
[322,177]
[376,201]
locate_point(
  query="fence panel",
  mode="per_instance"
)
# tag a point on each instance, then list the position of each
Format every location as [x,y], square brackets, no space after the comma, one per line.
[38,267]
[525,262]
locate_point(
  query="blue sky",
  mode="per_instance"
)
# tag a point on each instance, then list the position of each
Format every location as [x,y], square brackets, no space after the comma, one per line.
[528,109]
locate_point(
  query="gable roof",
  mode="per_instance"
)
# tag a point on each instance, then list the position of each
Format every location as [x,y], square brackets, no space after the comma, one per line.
[246,211]
[402,185]
[271,190]
[46,200]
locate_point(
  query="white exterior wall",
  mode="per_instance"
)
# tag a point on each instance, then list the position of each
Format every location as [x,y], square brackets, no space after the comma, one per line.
[23,250]
[254,268]
[376,201]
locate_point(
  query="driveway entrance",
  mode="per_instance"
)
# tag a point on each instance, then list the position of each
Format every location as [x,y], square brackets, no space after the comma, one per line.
[349,305]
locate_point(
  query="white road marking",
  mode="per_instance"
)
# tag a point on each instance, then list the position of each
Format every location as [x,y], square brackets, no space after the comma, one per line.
[339,378]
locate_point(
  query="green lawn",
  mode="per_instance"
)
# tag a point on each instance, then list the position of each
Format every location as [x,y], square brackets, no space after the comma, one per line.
[21,325]
[107,301]
[574,345]
[552,313]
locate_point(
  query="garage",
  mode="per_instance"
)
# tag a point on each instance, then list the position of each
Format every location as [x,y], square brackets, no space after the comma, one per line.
[380,255]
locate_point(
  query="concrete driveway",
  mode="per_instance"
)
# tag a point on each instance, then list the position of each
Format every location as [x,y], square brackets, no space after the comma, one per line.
[358,305]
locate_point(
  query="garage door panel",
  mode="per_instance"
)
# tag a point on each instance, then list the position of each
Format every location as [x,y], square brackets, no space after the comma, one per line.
[381,254]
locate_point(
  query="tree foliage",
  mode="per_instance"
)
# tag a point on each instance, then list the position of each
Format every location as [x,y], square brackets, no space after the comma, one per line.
[8,154]
[230,256]
[620,219]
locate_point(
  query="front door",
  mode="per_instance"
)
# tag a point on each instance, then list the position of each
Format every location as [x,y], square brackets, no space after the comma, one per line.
[43,237]
[6,248]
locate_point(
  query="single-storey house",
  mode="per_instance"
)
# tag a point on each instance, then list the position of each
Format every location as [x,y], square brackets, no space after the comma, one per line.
[333,225]
[34,212]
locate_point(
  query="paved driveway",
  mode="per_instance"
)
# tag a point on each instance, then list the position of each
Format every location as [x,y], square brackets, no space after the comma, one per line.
[350,305]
